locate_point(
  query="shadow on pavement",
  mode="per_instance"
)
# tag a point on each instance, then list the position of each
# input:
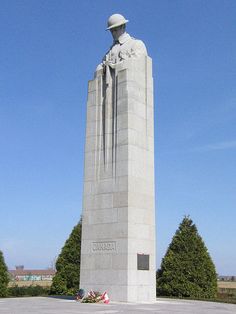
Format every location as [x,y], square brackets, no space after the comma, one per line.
[62,297]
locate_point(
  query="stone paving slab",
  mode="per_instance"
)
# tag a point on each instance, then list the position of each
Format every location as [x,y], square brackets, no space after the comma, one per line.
[47,305]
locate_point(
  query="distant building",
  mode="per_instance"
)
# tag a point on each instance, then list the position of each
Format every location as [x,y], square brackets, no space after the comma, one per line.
[21,274]
[227,278]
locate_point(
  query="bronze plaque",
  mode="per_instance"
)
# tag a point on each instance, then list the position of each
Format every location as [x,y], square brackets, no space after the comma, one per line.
[143,261]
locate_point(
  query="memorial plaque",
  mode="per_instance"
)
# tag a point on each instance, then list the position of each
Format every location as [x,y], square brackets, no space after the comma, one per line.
[143,261]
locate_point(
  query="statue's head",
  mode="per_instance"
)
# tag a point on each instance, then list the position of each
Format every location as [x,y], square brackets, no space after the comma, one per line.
[116,24]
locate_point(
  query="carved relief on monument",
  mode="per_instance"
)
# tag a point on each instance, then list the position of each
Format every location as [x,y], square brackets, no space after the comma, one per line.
[108,246]
[111,88]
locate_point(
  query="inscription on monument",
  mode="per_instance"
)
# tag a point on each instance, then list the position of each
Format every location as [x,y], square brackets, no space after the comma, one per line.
[104,246]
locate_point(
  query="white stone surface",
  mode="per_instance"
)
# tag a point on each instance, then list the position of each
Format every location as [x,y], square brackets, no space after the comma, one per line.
[119,202]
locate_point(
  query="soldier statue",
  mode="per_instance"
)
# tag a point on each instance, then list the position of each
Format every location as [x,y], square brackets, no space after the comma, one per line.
[124,46]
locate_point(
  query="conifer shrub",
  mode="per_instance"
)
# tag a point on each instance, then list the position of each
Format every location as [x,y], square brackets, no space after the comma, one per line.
[66,279]
[187,269]
[4,276]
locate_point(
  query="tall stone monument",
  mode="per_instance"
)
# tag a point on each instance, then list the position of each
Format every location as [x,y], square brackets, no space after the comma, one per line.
[118,226]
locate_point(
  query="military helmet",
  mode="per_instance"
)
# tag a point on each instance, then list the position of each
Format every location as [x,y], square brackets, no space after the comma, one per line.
[116,20]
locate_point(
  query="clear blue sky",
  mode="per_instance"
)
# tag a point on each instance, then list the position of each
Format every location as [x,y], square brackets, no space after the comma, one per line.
[48,52]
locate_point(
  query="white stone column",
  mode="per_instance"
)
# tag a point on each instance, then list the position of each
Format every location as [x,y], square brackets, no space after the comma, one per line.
[118,226]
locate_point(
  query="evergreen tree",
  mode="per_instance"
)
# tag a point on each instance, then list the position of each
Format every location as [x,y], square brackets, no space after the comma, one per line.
[187,269]
[4,276]
[67,278]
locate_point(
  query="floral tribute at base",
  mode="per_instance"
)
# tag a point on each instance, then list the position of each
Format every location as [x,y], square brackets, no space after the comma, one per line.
[92,297]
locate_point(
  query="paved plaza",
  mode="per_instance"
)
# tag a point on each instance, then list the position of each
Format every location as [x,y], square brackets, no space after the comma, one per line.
[44,305]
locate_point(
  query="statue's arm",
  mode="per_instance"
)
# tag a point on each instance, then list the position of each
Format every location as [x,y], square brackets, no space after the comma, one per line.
[104,61]
[136,49]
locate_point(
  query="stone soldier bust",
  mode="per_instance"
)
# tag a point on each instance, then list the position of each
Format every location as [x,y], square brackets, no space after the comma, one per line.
[124,46]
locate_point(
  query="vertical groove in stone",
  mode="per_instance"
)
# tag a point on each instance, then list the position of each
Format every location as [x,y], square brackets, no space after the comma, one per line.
[99,126]
[115,128]
[146,104]
[113,105]
[97,100]
[114,121]
[108,119]
[104,118]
